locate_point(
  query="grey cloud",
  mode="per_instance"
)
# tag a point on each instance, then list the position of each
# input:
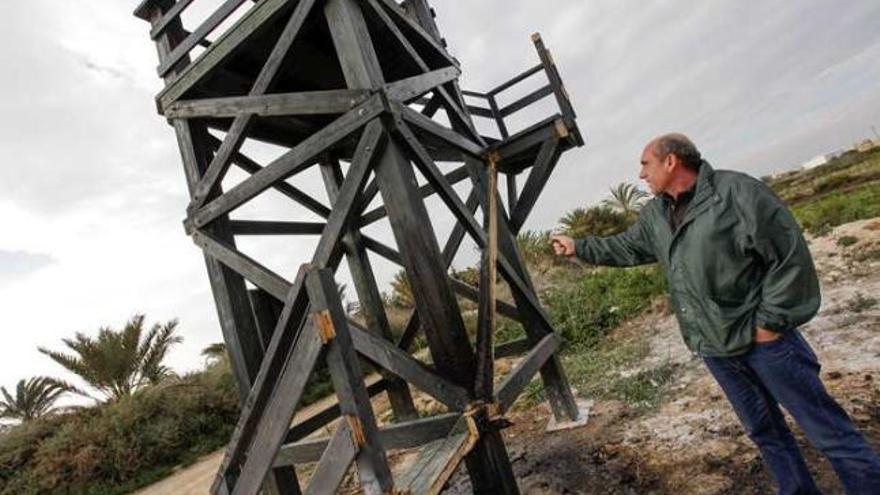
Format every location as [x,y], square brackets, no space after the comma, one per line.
[16,264]
[760,86]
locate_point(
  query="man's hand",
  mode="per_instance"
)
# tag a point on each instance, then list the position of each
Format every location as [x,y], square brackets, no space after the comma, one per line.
[562,245]
[763,335]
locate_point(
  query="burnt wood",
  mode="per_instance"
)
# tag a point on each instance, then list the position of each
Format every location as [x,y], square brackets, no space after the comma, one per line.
[372,464]
[406,435]
[305,103]
[333,464]
[368,293]
[514,383]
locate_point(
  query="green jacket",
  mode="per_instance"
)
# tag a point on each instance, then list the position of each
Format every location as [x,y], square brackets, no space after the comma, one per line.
[737,261]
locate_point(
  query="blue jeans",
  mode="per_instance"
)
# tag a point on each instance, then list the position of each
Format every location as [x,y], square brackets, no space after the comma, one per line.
[786,372]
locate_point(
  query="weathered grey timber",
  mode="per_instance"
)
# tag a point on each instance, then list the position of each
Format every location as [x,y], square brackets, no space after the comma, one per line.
[360,82]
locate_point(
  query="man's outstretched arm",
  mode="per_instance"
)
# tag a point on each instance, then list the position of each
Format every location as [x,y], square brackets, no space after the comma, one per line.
[629,248]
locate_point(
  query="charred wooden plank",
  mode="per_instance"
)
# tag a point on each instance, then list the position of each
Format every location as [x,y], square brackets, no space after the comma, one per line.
[526,100]
[405,435]
[345,372]
[237,131]
[263,227]
[304,103]
[293,161]
[180,51]
[334,460]
[513,384]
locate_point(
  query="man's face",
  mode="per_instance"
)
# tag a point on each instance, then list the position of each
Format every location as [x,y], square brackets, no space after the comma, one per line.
[655,171]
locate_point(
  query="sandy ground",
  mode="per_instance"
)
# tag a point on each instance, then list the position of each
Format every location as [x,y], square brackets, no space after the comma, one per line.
[692,444]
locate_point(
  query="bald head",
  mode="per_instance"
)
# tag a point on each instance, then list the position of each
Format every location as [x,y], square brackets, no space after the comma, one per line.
[680,146]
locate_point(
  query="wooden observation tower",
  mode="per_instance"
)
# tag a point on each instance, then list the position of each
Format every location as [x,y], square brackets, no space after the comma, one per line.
[365,91]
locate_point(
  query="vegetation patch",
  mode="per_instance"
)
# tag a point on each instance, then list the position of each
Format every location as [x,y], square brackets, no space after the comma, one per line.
[847,240]
[114,448]
[586,311]
[837,208]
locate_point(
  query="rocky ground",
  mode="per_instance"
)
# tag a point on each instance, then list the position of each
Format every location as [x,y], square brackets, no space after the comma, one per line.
[692,443]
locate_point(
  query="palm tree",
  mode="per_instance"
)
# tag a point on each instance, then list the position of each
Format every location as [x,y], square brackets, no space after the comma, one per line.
[34,398]
[401,292]
[118,363]
[627,199]
[597,220]
[215,352]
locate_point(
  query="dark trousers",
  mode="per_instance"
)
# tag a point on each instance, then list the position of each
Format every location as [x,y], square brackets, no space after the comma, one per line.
[786,372]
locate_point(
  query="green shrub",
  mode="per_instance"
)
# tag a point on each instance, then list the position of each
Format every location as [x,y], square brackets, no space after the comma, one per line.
[114,448]
[535,249]
[838,208]
[585,312]
[847,240]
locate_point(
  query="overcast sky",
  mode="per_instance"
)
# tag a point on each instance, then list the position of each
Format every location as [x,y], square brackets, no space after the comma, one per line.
[92,192]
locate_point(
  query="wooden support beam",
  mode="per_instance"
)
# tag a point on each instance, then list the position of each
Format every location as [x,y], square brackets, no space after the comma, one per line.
[437,130]
[290,163]
[526,100]
[481,111]
[326,415]
[552,71]
[528,138]
[414,87]
[334,460]
[499,119]
[486,315]
[292,192]
[368,293]
[535,320]
[173,14]
[473,293]
[277,414]
[434,104]
[546,161]
[391,358]
[397,436]
[328,253]
[512,348]
[398,14]
[262,227]
[238,130]
[437,461]
[244,342]
[372,464]
[262,105]
[513,384]
[458,175]
[461,288]
[182,50]
[258,274]
[511,194]
[515,80]
[438,311]
[475,94]
[212,58]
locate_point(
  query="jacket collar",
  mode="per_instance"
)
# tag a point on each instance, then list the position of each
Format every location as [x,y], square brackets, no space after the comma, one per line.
[704,190]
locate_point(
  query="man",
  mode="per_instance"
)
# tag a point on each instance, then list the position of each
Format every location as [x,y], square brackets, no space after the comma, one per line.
[741,281]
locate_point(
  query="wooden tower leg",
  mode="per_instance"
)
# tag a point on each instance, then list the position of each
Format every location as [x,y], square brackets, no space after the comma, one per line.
[354,402]
[369,296]
[419,250]
[237,323]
